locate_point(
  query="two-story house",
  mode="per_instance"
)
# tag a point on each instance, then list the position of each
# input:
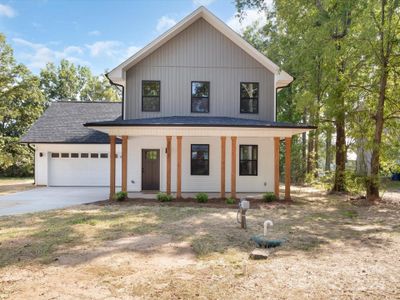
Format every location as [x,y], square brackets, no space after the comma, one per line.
[198,114]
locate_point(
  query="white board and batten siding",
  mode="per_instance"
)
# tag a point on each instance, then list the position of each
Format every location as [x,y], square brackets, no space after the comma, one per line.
[206,183]
[72,171]
[199,53]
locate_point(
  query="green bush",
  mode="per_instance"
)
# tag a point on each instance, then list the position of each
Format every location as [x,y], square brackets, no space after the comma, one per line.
[164,197]
[202,197]
[230,200]
[269,197]
[121,196]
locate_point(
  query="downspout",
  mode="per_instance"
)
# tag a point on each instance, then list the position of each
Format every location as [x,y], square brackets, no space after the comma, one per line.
[34,162]
[122,90]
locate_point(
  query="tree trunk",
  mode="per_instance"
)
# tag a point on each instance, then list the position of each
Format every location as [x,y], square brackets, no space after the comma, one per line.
[373,180]
[328,150]
[339,184]
[310,153]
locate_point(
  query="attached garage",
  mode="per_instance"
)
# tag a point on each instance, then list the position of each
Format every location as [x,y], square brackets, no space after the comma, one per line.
[67,153]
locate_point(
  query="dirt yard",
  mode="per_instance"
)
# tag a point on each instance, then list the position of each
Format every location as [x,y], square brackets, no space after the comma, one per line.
[13,185]
[336,248]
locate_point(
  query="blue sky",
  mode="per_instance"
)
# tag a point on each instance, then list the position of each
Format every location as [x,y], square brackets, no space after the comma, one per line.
[97,33]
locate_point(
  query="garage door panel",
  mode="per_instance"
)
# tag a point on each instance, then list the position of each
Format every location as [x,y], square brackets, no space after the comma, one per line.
[79,172]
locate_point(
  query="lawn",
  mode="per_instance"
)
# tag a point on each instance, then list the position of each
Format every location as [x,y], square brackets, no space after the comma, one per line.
[335,248]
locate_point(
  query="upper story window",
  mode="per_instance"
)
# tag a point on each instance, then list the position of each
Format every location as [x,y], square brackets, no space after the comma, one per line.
[200,159]
[200,96]
[150,95]
[249,97]
[248,160]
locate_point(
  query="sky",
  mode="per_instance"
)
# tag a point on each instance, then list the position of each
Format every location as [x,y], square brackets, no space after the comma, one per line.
[99,34]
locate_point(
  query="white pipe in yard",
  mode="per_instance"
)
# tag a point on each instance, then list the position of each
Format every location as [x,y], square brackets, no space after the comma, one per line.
[266,224]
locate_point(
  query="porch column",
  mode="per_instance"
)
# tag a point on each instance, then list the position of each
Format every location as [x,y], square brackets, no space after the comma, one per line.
[288,146]
[179,167]
[276,166]
[112,166]
[124,163]
[233,166]
[169,138]
[223,152]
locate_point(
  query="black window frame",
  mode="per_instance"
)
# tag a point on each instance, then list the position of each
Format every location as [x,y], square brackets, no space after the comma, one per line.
[55,155]
[208,160]
[249,98]
[159,95]
[74,155]
[94,155]
[64,155]
[247,160]
[195,97]
[85,155]
[103,155]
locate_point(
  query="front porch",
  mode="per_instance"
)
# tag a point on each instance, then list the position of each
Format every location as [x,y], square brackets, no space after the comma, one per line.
[171,139]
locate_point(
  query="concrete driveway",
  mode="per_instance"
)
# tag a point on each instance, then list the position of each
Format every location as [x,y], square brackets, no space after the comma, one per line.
[46,198]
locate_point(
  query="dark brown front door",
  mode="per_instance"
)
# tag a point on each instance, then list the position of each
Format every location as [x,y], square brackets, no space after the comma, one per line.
[150,169]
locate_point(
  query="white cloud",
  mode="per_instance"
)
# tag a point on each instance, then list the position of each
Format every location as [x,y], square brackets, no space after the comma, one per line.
[164,23]
[7,11]
[38,55]
[94,32]
[202,2]
[105,48]
[250,17]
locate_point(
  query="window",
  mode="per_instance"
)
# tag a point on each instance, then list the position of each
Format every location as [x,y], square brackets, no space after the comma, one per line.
[74,155]
[199,160]
[200,96]
[64,155]
[248,160]
[103,155]
[150,95]
[84,155]
[55,155]
[249,97]
[94,155]
[151,155]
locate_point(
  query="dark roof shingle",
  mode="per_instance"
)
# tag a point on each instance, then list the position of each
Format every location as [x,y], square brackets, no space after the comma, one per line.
[63,122]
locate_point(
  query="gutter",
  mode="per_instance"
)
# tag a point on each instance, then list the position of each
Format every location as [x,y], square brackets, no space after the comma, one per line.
[123,93]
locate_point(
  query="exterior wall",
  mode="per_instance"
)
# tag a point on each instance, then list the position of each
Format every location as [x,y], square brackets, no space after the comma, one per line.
[264,181]
[199,53]
[78,169]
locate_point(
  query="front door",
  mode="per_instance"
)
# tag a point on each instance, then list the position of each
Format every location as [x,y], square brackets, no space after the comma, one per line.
[150,169]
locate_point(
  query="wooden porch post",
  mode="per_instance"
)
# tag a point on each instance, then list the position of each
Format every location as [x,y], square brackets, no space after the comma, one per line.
[112,166]
[169,138]
[124,163]
[288,146]
[223,152]
[233,166]
[179,167]
[276,166]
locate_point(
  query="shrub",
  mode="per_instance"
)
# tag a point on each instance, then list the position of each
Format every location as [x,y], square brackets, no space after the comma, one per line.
[164,197]
[121,196]
[202,197]
[269,197]
[230,200]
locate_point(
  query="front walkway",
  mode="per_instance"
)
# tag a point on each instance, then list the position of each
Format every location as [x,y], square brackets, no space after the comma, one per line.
[46,198]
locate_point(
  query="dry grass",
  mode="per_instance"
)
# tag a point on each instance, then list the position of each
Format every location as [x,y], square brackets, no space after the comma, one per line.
[335,248]
[13,185]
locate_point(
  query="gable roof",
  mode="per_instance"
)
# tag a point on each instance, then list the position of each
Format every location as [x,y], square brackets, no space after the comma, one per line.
[117,75]
[63,123]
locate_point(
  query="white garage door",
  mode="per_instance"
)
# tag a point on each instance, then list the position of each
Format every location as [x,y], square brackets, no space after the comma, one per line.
[79,169]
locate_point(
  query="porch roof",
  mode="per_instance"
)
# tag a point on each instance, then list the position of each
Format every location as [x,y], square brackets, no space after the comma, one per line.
[191,121]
